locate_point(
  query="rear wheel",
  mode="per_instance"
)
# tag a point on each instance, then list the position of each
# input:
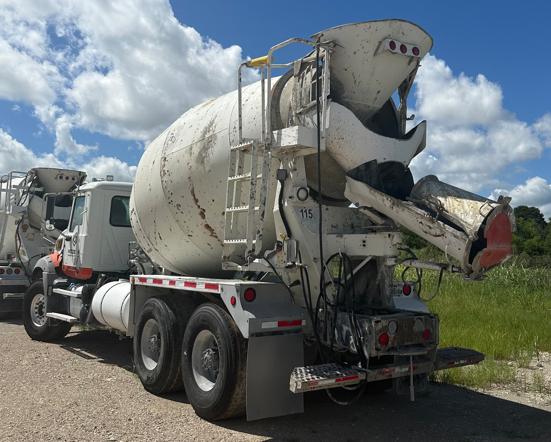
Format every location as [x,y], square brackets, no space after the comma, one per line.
[158,343]
[214,364]
[37,325]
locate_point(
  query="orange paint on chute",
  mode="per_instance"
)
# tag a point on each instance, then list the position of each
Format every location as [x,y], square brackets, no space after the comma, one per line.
[499,238]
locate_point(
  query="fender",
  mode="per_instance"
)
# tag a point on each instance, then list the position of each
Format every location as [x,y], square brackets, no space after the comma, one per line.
[49,264]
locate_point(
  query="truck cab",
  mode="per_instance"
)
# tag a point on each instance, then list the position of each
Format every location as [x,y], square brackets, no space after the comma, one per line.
[99,232]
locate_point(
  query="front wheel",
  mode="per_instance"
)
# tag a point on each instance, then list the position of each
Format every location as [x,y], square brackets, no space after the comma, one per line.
[36,323]
[214,364]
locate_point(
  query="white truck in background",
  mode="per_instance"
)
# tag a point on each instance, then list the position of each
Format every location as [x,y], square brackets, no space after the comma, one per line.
[23,215]
[262,238]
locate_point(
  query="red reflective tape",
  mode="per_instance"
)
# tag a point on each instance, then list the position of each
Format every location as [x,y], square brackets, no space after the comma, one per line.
[389,371]
[171,282]
[289,323]
[347,378]
[157,281]
[190,284]
[142,279]
[312,384]
[211,286]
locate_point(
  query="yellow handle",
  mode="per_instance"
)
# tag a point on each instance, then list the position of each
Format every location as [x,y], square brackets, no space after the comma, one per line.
[257,62]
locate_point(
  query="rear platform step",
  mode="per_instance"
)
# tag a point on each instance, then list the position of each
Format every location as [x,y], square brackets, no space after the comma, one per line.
[326,376]
[452,357]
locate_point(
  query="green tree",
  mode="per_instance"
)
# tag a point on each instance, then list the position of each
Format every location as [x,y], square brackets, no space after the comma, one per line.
[531,213]
[528,238]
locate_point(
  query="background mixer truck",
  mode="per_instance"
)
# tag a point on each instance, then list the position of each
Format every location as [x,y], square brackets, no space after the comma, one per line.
[23,216]
[266,238]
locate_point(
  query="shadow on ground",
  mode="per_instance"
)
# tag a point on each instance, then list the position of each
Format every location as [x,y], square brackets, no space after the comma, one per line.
[448,413]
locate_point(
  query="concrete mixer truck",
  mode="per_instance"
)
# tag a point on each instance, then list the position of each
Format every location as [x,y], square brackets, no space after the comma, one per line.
[23,216]
[262,238]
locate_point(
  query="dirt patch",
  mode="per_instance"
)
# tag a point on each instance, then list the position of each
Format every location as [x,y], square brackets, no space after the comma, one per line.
[532,385]
[83,388]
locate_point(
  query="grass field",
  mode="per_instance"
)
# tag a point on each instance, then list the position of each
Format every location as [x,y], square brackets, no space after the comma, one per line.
[507,317]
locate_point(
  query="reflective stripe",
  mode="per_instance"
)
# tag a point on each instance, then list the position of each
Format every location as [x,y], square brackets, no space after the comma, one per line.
[175,282]
[280,324]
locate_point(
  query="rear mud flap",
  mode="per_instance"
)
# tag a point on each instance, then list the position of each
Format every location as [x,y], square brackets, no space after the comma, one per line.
[270,362]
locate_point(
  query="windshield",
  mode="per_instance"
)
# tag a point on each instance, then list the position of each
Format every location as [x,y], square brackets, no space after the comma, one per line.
[78,210]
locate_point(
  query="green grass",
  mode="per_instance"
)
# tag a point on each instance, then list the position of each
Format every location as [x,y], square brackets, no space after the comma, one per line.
[507,317]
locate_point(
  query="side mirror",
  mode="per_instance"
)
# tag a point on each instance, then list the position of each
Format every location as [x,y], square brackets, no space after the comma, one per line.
[50,225]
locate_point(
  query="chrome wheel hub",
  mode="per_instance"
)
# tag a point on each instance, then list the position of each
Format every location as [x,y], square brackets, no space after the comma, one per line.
[151,344]
[205,361]
[38,310]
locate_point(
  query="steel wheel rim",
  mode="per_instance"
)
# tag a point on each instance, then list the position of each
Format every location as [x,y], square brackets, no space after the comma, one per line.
[205,360]
[150,344]
[38,310]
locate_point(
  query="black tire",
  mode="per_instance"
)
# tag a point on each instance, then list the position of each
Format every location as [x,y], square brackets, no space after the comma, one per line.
[37,326]
[225,394]
[170,315]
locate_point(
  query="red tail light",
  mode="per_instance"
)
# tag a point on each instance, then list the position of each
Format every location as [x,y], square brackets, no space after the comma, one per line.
[233,301]
[406,290]
[416,51]
[1,271]
[403,48]
[249,295]
[17,271]
[383,339]
[392,45]
[426,334]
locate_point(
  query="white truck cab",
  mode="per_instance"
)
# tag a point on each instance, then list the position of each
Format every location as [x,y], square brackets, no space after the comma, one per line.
[99,231]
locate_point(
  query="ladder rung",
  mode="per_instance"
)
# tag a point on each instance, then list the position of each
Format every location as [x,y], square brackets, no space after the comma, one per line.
[239,209]
[244,146]
[237,241]
[244,177]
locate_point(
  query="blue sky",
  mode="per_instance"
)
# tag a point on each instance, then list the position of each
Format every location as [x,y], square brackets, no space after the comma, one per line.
[89,84]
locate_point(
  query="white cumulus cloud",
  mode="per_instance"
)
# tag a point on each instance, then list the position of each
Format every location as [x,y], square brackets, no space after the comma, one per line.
[534,192]
[14,156]
[123,68]
[471,139]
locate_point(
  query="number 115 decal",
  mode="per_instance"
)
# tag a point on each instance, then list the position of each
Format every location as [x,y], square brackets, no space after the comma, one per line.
[306,213]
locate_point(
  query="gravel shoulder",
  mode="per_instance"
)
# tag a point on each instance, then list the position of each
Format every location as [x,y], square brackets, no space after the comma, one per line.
[83,389]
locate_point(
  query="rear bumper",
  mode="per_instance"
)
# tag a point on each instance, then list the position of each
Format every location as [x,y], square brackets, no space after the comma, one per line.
[319,377]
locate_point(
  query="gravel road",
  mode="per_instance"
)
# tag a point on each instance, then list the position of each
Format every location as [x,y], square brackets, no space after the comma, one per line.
[83,389]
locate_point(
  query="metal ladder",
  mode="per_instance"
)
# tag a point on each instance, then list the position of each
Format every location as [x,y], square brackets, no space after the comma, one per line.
[238,204]
[248,244]
[8,190]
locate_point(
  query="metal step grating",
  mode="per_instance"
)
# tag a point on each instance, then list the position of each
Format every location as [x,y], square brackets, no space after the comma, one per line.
[324,376]
[452,357]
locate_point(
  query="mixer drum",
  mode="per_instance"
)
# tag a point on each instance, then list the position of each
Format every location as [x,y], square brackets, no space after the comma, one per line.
[178,200]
